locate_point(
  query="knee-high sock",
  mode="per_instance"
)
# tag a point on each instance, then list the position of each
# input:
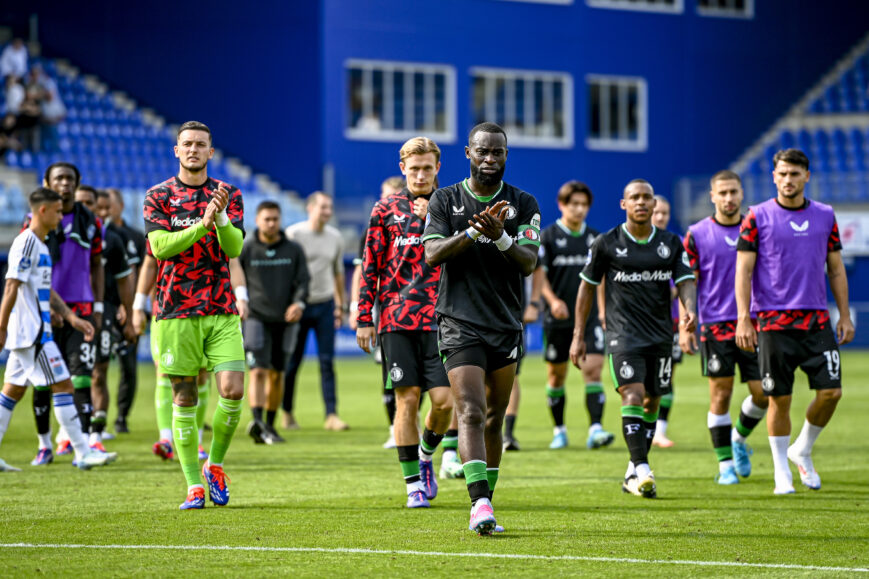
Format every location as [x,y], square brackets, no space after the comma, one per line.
[82,397]
[163,406]
[41,412]
[7,405]
[68,417]
[184,431]
[595,399]
[477,479]
[557,399]
[226,418]
[389,403]
[750,415]
[635,434]
[204,395]
[719,428]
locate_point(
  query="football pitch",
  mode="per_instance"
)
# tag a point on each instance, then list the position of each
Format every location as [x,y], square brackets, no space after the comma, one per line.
[332,504]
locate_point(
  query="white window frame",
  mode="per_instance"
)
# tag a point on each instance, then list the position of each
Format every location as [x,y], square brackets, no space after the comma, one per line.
[746,14]
[641,143]
[677,8]
[448,135]
[564,141]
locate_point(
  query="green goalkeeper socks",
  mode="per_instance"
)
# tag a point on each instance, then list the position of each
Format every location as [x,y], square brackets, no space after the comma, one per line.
[204,392]
[163,404]
[186,442]
[226,418]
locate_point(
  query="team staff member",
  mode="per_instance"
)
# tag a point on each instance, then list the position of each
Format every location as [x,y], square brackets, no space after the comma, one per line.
[786,247]
[564,247]
[486,234]
[324,250]
[711,248]
[395,275]
[194,226]
[638,261]
[275,276]
[77,276]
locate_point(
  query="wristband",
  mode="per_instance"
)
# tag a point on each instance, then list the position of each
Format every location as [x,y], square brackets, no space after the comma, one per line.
[472,233]
[354,306]
[222,219]
[98,307]
[504,242]
[241,293]
[140,302]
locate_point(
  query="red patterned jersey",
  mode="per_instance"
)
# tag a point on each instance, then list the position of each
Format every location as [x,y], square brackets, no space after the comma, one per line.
[394,270]
[196,281]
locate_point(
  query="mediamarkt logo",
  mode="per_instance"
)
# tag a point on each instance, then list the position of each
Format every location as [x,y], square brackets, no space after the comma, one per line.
[186,222]
[569,260]
[402,241]
[656,275]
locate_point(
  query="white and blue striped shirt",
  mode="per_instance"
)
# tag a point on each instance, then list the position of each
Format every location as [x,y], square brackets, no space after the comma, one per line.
[30,263]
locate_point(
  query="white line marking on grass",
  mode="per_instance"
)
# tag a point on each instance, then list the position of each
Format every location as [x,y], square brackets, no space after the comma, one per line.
[438,554]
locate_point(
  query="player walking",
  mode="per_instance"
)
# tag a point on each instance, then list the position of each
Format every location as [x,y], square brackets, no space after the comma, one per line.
[394,273]
[711,248]
[564,249]
[786,247]
[25,329]
[486,234]
[194,226]
[637,260]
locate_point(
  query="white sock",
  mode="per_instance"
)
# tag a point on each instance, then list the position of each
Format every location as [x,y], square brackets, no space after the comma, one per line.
[661,428]
[594,428]
[559,429]
[806,440]
[752,410]
[713,420]
[191,487]
[166,434]
[630,471]
[62,435]
[449,455]
[779,447]
[724,465]
[94,438]
[423,456]
[5,417]
[67,416]
[415,486]
[643,470]
[44,440]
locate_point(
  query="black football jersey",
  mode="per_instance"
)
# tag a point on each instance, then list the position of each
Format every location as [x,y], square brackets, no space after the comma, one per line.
[563,253]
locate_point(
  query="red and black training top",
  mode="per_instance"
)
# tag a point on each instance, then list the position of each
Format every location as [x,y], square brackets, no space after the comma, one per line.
[196,281]
[394,270]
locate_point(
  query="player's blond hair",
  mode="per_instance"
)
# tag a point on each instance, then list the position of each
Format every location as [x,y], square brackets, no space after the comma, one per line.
[419,146]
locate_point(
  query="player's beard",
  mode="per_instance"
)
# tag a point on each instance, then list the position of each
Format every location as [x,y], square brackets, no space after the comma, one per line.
[487,179]
[195,168]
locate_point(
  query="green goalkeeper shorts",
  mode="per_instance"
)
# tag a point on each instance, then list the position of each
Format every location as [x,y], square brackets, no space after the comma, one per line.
[183,344]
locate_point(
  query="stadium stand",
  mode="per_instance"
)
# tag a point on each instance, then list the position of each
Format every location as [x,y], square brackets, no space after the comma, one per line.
[830,123]
[117,144]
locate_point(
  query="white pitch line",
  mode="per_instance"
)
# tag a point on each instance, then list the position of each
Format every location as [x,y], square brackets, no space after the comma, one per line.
[439,554]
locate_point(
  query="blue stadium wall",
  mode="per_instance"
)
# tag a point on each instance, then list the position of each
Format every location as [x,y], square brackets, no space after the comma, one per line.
[714,84]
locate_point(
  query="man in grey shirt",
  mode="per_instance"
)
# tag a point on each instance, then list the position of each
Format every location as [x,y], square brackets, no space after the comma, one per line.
[324,250]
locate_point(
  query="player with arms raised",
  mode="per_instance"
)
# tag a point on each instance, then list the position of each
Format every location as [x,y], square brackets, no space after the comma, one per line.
[194,226]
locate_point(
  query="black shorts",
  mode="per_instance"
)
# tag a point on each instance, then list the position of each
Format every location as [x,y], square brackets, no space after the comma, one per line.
[110,338]
[719,358]
[267,345]
[652,367]
[78,354]
[556,342]
[412,359]
[815,352]
[462,344]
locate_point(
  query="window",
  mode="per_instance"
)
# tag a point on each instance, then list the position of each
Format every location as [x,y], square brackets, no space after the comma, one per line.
[535,108]
[673,6]
[618,113]
[726,8]
[394,101]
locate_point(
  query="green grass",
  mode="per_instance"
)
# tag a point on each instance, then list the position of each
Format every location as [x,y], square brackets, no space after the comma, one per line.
[326,490]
